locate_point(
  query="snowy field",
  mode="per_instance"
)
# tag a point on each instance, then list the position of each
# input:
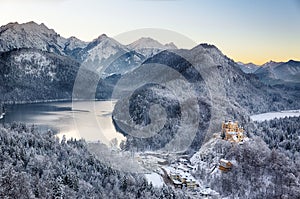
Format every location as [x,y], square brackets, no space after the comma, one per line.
[155,179]
[272,115]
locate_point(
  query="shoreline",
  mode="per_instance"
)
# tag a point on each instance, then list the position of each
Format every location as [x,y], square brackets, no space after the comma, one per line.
[52,100]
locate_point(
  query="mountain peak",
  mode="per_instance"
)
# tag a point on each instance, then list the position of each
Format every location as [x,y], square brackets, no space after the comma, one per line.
[101,37]
[249,64]
[293,62]
[7,26]
[271,64]
[146,42]
[206,45]
[148,46]
[11,24]
[171,45]
[30,27]
[248,67]
[30,35]
[31,22]
[33,25]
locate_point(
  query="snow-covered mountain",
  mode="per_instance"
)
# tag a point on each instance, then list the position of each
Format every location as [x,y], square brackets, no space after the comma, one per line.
[149,47]
[147,42]
[267,69]
[289,71]
[109,57]
[120,59]
[276,73]
[222,90]
[36,36]
[31,75]
[102,48]
[25,46]
[248,68]
[73,43]
[271,64]
[73,46]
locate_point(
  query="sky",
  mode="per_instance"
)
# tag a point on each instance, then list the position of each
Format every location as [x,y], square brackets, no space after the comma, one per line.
[248,31]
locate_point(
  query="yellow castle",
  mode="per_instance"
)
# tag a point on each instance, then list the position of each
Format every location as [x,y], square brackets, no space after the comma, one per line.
[232,132]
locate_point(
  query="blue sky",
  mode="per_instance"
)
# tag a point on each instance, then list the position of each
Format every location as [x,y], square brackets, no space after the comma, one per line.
[249,31]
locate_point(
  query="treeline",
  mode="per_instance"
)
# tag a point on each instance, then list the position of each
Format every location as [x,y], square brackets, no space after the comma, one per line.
[37,164]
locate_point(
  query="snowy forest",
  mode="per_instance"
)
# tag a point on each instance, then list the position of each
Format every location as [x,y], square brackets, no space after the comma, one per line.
[37,164]
[282,134]
[267,166]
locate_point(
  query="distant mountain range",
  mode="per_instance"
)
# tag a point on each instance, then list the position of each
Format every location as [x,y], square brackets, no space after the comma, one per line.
[38,64]
[287,73]
[248,68]
[275,73]
[25,47]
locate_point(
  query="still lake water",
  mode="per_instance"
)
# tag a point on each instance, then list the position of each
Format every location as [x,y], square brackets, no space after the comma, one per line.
[90,120]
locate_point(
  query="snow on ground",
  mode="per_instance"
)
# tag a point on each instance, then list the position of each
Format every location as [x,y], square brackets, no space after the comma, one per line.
[273,115]
[155,179]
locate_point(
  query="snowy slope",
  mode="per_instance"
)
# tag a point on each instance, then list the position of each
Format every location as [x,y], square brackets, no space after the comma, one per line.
[248,68]
[147,42]
[31,74]
[30,35]
[35,63]
[267,70]
[107,56]
[155,179]
[149,47]
[279,72]
[102,48]
[73,43]
[216,79]
[36,36]
[289,71]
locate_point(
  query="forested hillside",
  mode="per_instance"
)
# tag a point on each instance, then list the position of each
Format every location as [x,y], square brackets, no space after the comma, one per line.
[257,171]
[266,166]
[282,134]
[29,74]
[37,164]
[222,91]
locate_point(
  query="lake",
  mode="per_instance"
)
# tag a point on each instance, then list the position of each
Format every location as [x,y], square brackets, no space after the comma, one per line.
[272,115]
[90,120]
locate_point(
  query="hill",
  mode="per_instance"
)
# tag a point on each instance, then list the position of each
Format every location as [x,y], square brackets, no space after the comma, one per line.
[29,75]
[201,84]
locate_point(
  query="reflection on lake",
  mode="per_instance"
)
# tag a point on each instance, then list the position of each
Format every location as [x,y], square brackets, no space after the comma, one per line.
[90,120]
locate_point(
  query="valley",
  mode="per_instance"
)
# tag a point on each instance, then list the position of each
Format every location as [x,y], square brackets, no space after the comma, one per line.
[143,119]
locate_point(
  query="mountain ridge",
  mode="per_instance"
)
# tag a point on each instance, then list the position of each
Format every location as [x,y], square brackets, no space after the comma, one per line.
[108,57]
[222,91]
